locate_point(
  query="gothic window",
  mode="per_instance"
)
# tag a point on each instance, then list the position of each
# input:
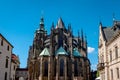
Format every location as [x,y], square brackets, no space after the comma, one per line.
[75,68]
[61,67]
[117,70]
[110,56]
[116,52]
[46,68]
[5,78]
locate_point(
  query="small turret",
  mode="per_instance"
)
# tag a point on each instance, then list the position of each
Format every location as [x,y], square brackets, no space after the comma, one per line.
[42,24]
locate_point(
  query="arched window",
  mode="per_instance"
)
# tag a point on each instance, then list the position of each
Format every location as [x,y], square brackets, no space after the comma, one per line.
[61,67]
[75,68]
[46,68]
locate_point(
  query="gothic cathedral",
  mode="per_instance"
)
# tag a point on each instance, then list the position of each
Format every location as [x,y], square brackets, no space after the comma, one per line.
[59,55]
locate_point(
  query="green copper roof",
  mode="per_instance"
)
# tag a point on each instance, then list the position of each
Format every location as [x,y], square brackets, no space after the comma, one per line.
[76,53]
[45,52]
[61,51]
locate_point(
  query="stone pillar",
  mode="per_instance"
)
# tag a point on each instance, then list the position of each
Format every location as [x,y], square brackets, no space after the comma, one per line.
[41,69]
[72,68]
[49,68]
[57,69]
[65,66]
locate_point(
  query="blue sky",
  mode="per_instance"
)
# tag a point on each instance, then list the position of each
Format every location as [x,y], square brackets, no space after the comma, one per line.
[20,18]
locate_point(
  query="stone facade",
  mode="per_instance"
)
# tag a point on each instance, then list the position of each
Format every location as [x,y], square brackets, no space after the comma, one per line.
[109,52]
[59,55]
[14,65]
[5,58]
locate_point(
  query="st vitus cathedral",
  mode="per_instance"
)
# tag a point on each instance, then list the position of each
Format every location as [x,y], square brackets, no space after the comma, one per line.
[59,55]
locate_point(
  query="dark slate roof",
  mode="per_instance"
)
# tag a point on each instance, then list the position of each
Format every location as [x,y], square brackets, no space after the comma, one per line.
[76,53]
[109,32]
[61,51]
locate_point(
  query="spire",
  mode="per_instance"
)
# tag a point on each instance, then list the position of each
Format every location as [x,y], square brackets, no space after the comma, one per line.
[86,40]
[100,25]
[60,23]
[69,27]
[78,34]
[42,23]
[82,37]
[79,41]
[52,27]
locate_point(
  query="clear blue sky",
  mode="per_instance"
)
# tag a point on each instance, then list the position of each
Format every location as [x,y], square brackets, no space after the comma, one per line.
[20,18]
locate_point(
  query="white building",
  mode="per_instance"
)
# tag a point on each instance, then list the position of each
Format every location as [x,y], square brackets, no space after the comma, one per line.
[109,52]
[5,58]
[14,65]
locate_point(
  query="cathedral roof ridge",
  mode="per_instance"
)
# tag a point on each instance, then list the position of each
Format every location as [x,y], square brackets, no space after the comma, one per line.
[76,53]
[61,51]
[45,52]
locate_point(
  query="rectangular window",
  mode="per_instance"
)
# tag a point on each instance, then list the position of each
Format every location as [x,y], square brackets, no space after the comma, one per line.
[111,74]
[116,52]
[0,54]
[6,64]
[5,76]
[110,56]
[8,48]
[14,67]
[2,42]
[117,70]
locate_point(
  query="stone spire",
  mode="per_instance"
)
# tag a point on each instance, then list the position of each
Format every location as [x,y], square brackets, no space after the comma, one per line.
[52,27]
[42,23]
[60,23]
[79,41]
[82,37]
